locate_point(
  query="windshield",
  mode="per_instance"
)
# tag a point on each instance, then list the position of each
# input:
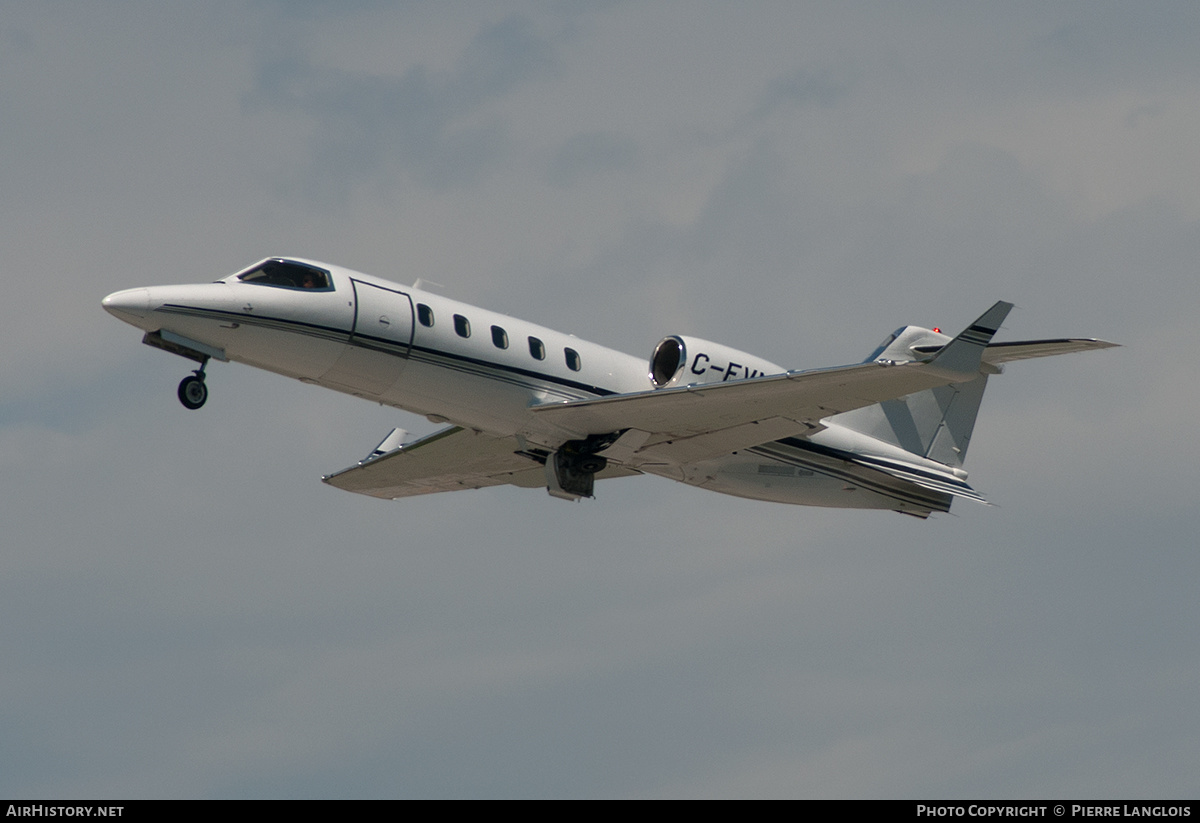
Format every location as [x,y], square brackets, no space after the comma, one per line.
[287,274]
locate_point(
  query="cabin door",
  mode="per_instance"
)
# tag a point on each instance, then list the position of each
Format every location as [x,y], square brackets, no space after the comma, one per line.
[379,343]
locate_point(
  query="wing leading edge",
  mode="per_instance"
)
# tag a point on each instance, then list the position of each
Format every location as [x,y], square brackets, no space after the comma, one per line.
[448,460]
[692,423]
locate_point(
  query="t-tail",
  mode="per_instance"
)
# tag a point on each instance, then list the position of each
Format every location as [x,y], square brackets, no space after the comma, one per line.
[937,424]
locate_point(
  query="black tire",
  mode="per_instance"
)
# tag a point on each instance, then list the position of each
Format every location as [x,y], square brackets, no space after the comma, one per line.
[192,392]
[592,463]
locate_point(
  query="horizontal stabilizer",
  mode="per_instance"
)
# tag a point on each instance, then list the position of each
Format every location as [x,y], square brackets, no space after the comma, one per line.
[998,353]
[1025,349]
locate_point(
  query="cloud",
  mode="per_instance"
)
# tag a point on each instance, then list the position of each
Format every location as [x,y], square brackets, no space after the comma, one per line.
[421,125]
[592,153]
[801,87]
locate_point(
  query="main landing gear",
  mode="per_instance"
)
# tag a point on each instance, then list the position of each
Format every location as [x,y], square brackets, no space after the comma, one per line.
[192,391]
[571,470]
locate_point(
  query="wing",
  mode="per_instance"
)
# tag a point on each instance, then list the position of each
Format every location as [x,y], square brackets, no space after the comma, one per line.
[448,460]
[688,424]
[693,423]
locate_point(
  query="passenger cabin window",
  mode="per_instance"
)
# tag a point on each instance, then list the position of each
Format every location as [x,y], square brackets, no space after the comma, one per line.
[462,326]
[537,349]
[572,359]
[424,315]
[285,274]
[499,337]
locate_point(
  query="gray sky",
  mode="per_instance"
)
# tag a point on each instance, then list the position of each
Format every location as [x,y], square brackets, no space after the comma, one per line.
[187,611]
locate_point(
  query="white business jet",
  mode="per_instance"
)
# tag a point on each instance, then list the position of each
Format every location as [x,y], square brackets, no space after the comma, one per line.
[536,408]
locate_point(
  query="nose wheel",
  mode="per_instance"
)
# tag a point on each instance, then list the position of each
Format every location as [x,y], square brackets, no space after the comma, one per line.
[192,391]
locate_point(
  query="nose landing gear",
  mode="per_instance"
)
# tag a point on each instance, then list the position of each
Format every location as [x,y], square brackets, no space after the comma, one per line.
[192,391]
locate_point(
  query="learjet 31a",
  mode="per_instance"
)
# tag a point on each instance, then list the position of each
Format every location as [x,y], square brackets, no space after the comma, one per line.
[533,407]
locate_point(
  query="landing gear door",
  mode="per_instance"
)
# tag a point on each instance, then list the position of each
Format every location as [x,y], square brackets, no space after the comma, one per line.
[379,343]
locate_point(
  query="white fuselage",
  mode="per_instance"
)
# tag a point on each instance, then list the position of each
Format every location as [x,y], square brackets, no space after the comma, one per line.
[457,363]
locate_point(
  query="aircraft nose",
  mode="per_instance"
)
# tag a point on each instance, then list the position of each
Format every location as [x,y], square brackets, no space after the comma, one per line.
[130,305]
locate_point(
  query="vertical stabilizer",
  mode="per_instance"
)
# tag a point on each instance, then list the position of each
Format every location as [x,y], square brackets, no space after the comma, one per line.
[937,423]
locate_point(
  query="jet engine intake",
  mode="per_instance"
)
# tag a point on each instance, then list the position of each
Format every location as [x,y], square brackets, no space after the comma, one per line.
[686,361]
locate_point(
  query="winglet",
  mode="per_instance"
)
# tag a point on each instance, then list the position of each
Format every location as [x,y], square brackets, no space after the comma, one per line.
[962,356]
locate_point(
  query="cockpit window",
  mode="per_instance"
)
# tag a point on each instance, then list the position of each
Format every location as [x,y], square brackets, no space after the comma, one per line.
[288,275]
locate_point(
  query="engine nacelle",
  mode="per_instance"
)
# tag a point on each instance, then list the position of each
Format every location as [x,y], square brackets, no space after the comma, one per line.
[683,361]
